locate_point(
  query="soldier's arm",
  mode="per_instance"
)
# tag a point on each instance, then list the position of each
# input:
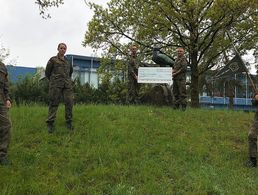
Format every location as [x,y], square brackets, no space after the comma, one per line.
[184,65]
[134,74]
[49,68]
[5,85]
[130,67]
[183,68]
[255,100]
[6,88]
[175,73]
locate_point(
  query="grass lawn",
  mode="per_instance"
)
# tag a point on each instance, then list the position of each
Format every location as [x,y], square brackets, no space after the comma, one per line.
[126,150]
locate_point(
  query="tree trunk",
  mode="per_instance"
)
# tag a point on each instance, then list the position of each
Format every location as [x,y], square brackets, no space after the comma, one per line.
[231,102]
[194,81]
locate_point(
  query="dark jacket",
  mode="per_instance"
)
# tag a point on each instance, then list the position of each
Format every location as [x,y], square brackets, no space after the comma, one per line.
[59,72]
[133,65]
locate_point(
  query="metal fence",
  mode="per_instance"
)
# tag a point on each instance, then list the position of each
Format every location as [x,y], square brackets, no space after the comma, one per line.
[223,103]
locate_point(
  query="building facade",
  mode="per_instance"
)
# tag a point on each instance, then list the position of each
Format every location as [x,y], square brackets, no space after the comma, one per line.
[85,69]
[17,73]
[243,92]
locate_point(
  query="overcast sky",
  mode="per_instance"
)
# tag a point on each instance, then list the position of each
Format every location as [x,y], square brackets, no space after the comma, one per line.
[32,40]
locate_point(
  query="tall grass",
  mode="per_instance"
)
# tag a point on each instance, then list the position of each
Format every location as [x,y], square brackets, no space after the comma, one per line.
[124,150]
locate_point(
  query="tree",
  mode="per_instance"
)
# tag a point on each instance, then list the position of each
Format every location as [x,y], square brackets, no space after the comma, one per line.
[44,5]
[4,53]
[198,25]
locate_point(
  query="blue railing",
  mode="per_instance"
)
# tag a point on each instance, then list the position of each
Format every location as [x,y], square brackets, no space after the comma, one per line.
[223,103]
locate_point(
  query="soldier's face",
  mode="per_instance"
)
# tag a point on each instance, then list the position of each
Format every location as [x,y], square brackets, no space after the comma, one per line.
[180,52]
[133,51]
[61,49]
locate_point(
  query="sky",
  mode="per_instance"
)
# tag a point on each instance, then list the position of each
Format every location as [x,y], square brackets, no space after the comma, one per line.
[32,40]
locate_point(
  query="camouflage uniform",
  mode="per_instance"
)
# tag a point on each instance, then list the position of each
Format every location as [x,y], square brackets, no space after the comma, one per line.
[59,72]
[5,123]
[133,86]
[252,137]
[179,82]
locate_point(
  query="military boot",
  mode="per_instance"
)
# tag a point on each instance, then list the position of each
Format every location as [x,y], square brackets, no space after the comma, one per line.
[251,163]
[50,127]
[176,106]
[69,125]
[183,107]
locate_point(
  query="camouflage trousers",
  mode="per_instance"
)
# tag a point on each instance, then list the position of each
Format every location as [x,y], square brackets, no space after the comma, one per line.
[252,137]
[179,92]
[133,91]
[5,131]
[55,97]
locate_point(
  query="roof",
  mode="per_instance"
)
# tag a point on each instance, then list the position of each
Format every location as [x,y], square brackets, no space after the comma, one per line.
[84,61]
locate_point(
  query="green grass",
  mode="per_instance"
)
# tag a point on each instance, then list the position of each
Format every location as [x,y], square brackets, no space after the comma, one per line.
[123,150]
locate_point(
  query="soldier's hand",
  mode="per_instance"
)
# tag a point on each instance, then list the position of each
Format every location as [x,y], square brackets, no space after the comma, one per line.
[8,104]
[255,100]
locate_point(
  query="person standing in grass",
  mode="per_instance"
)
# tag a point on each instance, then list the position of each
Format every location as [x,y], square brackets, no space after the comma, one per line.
[179,79]
[252,138]
[59,71]
[133,85]
[5,123]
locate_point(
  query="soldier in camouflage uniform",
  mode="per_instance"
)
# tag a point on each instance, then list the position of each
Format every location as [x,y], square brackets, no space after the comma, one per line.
[59,71]
[179,80]
[133,86]
[5,123]
[252,138]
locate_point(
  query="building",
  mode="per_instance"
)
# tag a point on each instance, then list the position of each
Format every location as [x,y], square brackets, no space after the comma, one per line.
[243,93]
[17,73]
[85,69]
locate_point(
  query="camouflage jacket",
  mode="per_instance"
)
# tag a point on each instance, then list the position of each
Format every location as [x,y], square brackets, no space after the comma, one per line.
[181,66]
[59,72]
[4,87]
[133,66]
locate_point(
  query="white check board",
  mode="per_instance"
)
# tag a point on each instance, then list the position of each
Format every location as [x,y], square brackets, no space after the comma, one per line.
[154,75]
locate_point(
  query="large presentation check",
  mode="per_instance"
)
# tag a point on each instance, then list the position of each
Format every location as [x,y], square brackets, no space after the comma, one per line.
[155,75]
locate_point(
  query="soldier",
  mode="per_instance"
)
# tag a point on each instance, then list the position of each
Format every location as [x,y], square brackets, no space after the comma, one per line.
[133,86]
[179,80]
[59,71]
[5,123]
[252,138]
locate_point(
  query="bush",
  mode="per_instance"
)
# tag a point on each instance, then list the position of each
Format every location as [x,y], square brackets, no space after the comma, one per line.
[30,90]
[33,90]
